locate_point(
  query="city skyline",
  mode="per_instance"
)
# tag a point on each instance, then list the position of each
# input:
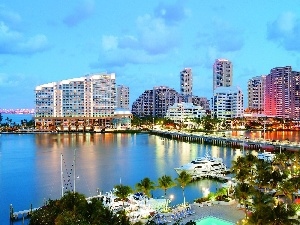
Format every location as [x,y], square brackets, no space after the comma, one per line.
[145,44]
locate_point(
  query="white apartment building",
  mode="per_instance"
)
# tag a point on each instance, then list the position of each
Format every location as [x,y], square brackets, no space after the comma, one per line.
[222,73]
[92,95]
[228,102]
[88,99]
[184,112]
[256,93]
[122,97]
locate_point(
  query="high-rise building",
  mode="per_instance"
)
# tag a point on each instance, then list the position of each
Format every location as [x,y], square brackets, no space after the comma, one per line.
[143,105]
[85,100]
[222,73]
[277,93]
[163,97]
[155,102]
[282,93]
[256,93]
[122,97]
[186,82]
[92,95]
[228,102]
[295,95]
[201,101]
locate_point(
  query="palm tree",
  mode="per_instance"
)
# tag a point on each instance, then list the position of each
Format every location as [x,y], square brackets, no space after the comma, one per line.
[263,203]
[263,173]
[281,215]
[183,179]
[243,191]
[165,182]
[145,186]
[287,187]
[122,192]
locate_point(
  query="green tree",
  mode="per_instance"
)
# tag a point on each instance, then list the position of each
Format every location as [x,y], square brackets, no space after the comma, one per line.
[282,213]
[263,203]
[62,212]
[165,182]
[122,192]
[183,179]
[145,186]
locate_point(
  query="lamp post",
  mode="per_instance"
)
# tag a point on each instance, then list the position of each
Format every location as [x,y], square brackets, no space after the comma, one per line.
[229,187]
[152,123]
[171,198]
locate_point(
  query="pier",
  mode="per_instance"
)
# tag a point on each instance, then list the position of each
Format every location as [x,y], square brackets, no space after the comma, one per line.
[230,141]
[20,215]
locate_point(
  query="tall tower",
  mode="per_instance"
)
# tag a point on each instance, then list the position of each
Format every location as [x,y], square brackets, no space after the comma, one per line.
[186,82]
[122,97]
[277,93]
[256,93]
[222,73]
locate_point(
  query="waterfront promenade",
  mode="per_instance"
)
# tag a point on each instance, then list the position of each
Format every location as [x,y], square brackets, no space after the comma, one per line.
[231,141]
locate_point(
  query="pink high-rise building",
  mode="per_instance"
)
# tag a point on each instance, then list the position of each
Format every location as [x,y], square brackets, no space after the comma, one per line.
[282,93]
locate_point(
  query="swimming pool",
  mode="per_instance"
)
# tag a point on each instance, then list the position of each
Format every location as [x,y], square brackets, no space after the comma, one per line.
[212,221]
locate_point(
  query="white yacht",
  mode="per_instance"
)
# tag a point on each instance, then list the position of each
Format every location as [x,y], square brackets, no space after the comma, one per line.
[266,156]
[204,166]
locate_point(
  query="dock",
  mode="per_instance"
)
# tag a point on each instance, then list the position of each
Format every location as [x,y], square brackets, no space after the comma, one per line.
[20,215]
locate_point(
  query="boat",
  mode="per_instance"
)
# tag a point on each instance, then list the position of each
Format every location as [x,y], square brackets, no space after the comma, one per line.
[266,156]
[206,166]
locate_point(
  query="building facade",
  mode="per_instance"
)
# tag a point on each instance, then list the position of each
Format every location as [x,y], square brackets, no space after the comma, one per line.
[155,102]
[184,112]
[122,97]
[143,105]
[256,93]
[85,103]
[282,97]
[228,103]
[222,73]
[186,83]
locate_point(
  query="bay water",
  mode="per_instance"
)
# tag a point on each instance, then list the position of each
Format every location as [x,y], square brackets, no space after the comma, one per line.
[30,171]
[31,165]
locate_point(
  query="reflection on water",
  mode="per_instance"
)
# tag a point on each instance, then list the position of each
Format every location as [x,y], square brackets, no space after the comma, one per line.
[30,165]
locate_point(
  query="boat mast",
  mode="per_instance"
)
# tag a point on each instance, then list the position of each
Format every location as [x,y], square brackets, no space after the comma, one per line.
[61,176]
[74,171]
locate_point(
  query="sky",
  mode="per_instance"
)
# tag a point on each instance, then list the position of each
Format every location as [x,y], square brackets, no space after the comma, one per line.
[145,43]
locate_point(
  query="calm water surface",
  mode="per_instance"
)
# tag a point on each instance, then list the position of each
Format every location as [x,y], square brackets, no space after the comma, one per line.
[30,165]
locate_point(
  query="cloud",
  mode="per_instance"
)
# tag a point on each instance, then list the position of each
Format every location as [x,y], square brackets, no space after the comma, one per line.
[154,36]
[224,37]
[9,17]
[109,42]
[153,41]
[14,42]
[122,57]
[10,87]
[285,31]
[171,14]
[10,82]
[82,12]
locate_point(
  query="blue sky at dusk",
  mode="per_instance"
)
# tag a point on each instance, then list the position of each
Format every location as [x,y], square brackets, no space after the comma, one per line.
[146,43]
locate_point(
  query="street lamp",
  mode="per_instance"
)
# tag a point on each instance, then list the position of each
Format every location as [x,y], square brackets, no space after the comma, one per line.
[171,198]
[152,123]
[229,187]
